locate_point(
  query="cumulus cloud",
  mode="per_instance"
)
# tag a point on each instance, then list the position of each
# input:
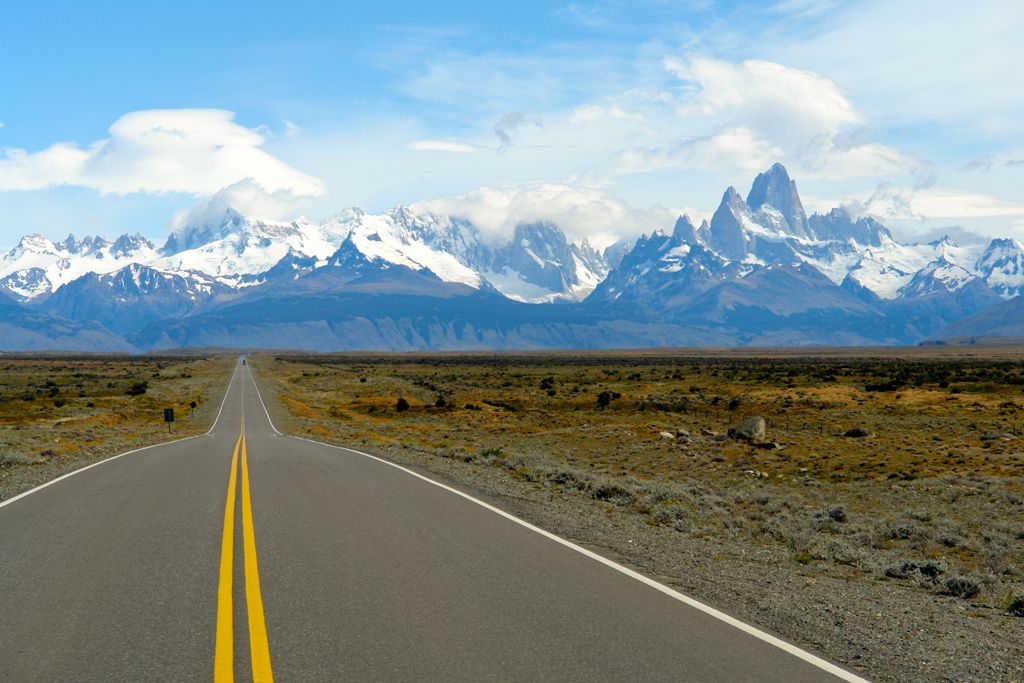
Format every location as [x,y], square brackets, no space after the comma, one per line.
[742,115]
[195,151]
[442,146]
[247,197]
[580,212]
[904,203]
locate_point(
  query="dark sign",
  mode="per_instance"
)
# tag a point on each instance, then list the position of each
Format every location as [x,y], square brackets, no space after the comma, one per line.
[168,414]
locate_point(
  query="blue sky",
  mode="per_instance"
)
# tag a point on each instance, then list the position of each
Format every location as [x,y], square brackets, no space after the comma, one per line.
[610,118]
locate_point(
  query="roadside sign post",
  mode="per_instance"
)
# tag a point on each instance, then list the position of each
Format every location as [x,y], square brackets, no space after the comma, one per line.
[169,418]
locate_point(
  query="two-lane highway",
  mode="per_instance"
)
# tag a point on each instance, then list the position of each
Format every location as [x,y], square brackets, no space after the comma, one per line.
[247,554]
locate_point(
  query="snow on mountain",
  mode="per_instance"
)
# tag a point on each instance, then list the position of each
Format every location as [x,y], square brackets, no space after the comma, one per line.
[235,248]
[889,269]
[770,229]
[36,267]
[765,240]
[399,238]
[129,298]
[537,264]
[1002,267]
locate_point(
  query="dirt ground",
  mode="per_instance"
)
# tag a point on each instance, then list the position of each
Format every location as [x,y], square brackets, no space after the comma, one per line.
[899,553]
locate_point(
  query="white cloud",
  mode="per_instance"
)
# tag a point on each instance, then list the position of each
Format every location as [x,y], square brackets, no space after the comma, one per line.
[195,151]
[580,212]
[508,128]
[442,146]
[588,113]
[291,129]
[744,115]
[906,63]
[247,197]
[903,203]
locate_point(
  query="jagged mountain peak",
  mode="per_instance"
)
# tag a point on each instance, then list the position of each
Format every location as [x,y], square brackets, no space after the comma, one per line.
[840,225]
[1001,265]
[775,188]
[204,231]
[34,243]
[85,245]
[128,243]
[686,230]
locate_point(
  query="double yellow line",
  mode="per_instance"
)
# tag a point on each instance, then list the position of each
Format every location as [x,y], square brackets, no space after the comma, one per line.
[224,654]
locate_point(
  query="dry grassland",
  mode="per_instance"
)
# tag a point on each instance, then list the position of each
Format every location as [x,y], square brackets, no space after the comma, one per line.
[932,501]
[60,413]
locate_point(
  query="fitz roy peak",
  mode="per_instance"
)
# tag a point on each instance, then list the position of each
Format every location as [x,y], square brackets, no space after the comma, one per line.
[761,271]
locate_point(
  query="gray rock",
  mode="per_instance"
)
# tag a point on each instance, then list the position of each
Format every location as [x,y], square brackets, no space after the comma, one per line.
[751,429]
[998,436]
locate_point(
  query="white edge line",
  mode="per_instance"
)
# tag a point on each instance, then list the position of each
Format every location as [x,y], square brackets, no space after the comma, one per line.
[789,648]
[260,396]
[7,502]
[223,400]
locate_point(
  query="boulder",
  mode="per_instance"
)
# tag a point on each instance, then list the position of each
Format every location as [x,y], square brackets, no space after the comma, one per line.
[998,436]
[751,429]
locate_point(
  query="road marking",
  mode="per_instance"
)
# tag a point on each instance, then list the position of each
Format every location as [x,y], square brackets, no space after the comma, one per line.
[224,652]
[121,455]
[789,648]
[260,396]
[223,400]
[258,647]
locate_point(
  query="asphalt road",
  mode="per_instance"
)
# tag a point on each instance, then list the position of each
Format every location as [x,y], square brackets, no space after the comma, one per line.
[267,555]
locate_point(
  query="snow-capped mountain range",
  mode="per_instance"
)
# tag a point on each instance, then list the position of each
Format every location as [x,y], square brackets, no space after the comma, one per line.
[760,253]
[538,265]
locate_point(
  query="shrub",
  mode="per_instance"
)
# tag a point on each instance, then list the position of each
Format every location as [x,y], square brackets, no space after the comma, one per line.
[904,570]
[1016,606]
[961,586]
[138,388]
[401,405]
[832,513]
[612,492]
[902,531]
[568,479]
[666,514]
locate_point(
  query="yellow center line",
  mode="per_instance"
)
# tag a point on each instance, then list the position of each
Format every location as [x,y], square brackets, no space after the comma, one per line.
[224,653]
[258,646]
[223,661]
